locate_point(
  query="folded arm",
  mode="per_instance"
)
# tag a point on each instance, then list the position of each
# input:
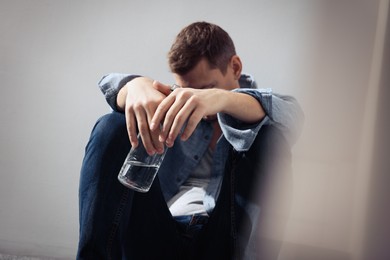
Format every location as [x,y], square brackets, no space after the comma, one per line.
[240,120]
[281,110]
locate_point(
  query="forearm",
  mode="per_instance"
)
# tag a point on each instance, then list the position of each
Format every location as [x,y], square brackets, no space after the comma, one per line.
[243,107]
[282,111]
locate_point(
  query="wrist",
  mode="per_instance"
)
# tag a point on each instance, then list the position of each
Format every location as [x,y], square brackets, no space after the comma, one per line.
[122,94]
[243,107]
[139,81]
[121,98]
[227,99]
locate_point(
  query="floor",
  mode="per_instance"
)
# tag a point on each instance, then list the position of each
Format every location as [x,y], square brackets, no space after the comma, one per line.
[11,257]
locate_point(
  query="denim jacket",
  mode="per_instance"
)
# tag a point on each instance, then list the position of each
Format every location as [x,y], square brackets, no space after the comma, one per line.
[281,111]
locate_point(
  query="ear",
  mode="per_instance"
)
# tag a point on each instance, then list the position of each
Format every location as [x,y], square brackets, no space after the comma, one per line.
[236,65]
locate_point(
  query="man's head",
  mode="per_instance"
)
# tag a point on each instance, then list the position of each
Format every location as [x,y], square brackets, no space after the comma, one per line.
[203,52]
[201,40]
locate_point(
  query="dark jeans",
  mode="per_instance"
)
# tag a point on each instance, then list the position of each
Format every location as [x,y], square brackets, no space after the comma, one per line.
[118,223]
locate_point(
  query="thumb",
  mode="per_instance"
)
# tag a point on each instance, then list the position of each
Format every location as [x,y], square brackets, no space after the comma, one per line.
[165,89]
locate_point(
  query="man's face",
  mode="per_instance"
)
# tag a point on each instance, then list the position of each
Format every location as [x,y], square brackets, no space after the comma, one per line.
[203,77]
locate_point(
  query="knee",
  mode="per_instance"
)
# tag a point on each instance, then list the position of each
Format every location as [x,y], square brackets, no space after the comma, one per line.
[109,131]
[110,123]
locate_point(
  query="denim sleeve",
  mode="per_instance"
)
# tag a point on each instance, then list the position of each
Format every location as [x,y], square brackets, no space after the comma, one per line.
[110,85]
[282,111]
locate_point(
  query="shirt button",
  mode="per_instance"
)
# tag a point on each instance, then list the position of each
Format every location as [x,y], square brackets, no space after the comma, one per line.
[207,137]
[196,157]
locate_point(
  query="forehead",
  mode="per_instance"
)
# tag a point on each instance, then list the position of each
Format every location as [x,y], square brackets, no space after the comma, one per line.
[200,76]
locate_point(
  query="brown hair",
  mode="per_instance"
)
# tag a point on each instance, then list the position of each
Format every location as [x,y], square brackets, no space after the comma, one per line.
[200,40]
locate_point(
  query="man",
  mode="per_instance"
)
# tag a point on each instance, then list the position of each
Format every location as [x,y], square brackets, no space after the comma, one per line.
[226,137]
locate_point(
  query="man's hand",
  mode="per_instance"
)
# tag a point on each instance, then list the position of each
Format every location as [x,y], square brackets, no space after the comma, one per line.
[139,99]
[188,106]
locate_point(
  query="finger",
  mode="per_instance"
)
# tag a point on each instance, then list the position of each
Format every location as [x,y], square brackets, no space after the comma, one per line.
[131,127]
[160,117]
[165,89]
[178,122]
[192,123]
[143,128]
[170,117]
[154,133]
[158,145]
[159,114]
